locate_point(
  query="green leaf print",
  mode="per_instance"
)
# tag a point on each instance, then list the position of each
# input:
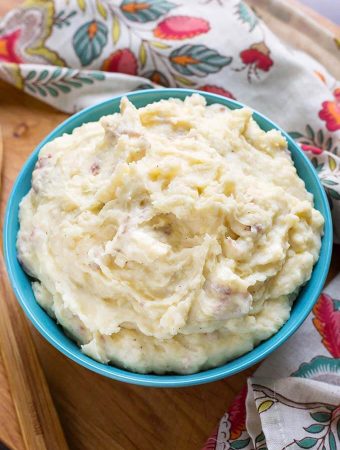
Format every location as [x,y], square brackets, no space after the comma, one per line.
[315,428]
[89,41]
[197,60]
[318,368]
[329,144]
[315,138]
[41,91]
[329,182]
[322,417]
[59,81]
[310,132]
[43,75]
[143,11]
[63,88]
[31,75]
[295,134]
[318,167]
[331,441]
[333,193]
[240,443]
[246,15]
[307,442]
[56,73]
[320,137]
[53,92]
[259,438]
[100,76]
[62,19]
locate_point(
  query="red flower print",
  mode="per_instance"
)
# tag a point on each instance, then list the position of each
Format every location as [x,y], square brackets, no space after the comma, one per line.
[255,58]
[237,414]
[330,112]
[122,61]
[312,149]
[216,90]
[258,55]
[7,47]
[181,27]
[327,322]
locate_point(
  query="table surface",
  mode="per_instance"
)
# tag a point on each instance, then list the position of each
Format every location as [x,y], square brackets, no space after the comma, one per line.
[96,412]
[92,408]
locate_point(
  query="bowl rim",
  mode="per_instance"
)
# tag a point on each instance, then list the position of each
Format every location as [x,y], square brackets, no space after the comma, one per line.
[259,352]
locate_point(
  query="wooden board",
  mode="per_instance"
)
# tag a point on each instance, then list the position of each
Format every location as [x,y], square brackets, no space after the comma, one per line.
[30,393]
[97,413]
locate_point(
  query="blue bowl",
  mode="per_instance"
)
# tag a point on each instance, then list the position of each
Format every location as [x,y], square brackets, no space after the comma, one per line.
[54,334]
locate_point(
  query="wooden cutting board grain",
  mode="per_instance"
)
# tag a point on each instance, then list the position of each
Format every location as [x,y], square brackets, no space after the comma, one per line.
[34,407]
[30,394]
[97,413]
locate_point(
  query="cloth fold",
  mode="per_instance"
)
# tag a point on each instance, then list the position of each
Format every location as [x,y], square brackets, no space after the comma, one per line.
[272,420]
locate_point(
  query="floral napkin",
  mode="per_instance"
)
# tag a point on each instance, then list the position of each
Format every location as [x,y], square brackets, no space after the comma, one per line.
[74,53]
[293,400]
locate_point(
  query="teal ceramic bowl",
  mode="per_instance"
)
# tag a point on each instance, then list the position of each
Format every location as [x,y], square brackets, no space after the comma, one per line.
[54,334]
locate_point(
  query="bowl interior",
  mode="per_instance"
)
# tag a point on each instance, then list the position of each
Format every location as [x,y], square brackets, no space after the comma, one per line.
[54,334]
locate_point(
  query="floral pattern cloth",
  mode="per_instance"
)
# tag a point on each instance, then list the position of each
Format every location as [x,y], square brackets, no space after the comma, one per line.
[74,53]
[293,400]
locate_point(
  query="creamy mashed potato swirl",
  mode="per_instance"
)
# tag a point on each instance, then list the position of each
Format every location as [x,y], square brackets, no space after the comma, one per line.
[171,238]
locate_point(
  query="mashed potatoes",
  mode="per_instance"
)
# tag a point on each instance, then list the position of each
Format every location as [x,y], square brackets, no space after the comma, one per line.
[170,238]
